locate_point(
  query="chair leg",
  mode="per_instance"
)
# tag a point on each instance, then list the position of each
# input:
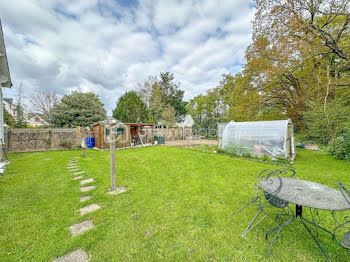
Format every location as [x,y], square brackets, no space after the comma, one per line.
[243,207]
[280,226]
[273,239]
[251,224]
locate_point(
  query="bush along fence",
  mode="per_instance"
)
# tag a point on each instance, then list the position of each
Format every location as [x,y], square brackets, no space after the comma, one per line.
[39,139]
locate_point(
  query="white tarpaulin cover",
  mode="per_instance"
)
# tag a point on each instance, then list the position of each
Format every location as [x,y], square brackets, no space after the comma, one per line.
[271,138]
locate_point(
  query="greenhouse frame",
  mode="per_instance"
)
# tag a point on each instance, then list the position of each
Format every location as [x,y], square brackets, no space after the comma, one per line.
[272,138]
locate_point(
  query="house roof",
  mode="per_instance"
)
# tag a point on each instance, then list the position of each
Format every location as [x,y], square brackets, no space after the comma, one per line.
[30,115]
[5,78]
[8,100]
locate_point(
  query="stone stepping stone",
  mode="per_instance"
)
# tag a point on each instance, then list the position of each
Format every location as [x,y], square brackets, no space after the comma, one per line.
[74,170]
[85,198]
[78,255]
[79,173]
[87,188]
[87,181]
[81,227]
[78,177]
[89,209]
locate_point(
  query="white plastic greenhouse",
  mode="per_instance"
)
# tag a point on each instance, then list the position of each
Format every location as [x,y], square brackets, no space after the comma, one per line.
[272,138]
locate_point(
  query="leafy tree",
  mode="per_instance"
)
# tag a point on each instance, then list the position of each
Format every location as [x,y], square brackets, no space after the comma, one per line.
[157,103]
[173,95]
[295,65]
[299,53]
[169,115]
[197,108]
[130,108]
[78,109]
[8,118]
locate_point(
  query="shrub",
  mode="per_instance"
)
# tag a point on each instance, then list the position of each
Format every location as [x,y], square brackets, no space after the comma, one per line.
[66,143]
[340,146]
[322,129]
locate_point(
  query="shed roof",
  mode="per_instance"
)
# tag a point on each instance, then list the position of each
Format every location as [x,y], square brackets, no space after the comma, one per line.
[128,124]
[138,124]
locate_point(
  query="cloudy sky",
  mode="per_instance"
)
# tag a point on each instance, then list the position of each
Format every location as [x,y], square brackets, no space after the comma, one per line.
[108,46]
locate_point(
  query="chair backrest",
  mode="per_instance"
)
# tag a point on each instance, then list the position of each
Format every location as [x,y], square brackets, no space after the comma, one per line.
[344,191]
[270,176]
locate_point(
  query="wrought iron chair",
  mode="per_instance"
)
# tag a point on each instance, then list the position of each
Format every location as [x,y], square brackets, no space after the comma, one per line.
[344,241]
[263,199]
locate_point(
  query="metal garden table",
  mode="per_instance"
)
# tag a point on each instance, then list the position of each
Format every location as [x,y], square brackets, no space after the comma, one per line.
[306,194]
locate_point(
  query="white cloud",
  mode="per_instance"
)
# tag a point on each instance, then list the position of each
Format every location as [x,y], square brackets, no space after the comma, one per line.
[107,47]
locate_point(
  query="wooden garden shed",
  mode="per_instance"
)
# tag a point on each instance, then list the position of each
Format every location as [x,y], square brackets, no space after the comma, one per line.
[128,135]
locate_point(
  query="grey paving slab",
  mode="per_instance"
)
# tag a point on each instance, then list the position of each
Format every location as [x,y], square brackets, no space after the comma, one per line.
[87,188]
[117,191]
[85,198]
[81,227]
[78,177]
[87,181]
[78,255]
[89,209]
[74,170]
[80,172]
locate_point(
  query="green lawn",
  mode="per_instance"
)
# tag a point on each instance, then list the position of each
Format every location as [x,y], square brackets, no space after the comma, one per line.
[176,207]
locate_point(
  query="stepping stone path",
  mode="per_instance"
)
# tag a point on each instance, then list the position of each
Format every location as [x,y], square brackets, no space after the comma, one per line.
[89,209]
[81,227]
[78,255]
[87,181]
[87,188]
[85,198]
[80,172]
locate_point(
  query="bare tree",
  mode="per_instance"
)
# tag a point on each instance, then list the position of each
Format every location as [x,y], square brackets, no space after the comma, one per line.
[20,119]
[43,101]
[144,89]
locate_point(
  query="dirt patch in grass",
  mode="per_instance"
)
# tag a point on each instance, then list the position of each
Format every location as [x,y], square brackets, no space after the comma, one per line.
[190,143]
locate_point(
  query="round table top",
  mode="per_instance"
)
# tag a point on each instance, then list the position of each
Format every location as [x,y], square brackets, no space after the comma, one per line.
[306,193]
